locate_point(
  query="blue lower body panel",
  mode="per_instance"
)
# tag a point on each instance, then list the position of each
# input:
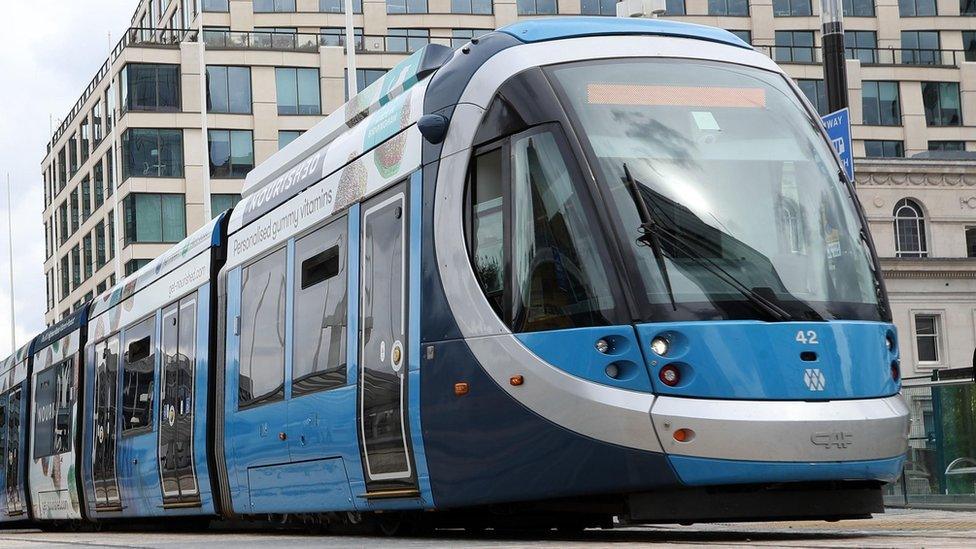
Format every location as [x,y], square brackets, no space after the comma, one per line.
[696,471]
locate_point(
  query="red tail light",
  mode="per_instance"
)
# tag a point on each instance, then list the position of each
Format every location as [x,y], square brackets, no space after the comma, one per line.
[670,375]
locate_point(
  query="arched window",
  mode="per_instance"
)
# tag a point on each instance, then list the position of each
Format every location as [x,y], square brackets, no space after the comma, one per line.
[909,229]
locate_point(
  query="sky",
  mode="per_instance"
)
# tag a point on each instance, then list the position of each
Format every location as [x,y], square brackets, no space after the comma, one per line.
[49,52]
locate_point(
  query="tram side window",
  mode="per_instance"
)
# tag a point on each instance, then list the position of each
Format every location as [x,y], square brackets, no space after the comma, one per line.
[319,354]
[138,377]
[487,226]
[54,397]
[556,269]
[262,343]
[558,274]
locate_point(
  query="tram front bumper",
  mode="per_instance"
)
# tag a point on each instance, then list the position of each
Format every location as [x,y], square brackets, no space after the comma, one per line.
[748,441]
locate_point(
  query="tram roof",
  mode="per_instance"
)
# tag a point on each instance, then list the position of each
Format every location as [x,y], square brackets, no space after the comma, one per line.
[557,28]
[205,237]
[75,321]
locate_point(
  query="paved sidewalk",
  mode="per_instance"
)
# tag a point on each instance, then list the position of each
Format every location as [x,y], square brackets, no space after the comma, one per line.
[897,528]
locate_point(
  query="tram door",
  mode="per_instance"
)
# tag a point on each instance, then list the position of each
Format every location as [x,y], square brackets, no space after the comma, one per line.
[104,470]
[385,443]
[176,470]
[12,464]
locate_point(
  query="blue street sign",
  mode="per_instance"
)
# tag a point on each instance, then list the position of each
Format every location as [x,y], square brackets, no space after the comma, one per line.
[838,126]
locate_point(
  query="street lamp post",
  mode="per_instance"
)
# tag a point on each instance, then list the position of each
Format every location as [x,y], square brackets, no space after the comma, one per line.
[835,69]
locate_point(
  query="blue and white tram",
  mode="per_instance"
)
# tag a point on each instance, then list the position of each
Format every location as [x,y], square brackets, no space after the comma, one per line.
[14,374]
[148,396]
[577,268]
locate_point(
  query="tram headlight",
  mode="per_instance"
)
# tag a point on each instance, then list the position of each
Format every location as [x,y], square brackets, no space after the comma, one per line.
[660,346]
[603,346]
[890,342]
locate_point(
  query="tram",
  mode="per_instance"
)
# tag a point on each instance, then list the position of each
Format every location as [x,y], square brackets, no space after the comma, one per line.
[577,269]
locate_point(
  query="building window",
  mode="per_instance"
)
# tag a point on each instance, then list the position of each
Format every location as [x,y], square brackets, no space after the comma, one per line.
[970,241]
[274,6]
[791,8]
[138,377]
[794,47]
[285,137]
[229,89]
[148,87]
[319,317]
[920,48]
[460,37]
[75,267]
[927,332]
[223,202]
[406,6]
[98,180]
[858,8]
[231,153]
[262,340]
[674,7]
[537,7]
[909,229]
[942,106]
[85,134]
[99,245]
[883,148]
[947,146]
[969,42]
[65,277]
[298,91]
[744,35]
[216,5]
[483,7]
[736,8]
[86,247]
[75,210]
[85,187]
[150,152]
[406,40]
[339,6]
[133,265]
[917,8]
[364,78]
[880,103]
[336,36]
[97,133]
[861,45]
[154,218]
[73,153]
[816,93]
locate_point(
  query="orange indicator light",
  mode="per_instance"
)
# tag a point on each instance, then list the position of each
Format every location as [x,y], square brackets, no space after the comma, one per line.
[684,435]
[460,389]
[516,380]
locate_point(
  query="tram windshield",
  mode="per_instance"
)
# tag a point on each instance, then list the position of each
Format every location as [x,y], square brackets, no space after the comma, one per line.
[729,198]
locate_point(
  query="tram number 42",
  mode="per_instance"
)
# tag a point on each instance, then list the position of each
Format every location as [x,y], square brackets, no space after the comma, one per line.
[808,337]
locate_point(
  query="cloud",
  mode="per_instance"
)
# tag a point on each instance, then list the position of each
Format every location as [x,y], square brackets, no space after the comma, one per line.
[49,52]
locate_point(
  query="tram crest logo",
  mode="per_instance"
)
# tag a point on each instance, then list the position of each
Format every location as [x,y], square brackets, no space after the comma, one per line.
[814,379]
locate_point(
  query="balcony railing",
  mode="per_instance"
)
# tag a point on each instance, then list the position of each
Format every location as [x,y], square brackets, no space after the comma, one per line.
[310,42]
[134,36]
[871,56]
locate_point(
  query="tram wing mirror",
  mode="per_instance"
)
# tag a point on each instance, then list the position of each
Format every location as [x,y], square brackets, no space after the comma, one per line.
[433,127]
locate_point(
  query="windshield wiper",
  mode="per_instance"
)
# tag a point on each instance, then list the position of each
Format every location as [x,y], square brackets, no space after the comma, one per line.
[649,232]
[652,229]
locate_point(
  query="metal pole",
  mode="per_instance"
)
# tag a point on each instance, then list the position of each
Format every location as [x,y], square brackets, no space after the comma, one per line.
[10,258]
[351,87]
[835,68]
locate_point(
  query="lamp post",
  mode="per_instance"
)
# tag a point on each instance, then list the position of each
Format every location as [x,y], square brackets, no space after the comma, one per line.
[835,68]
